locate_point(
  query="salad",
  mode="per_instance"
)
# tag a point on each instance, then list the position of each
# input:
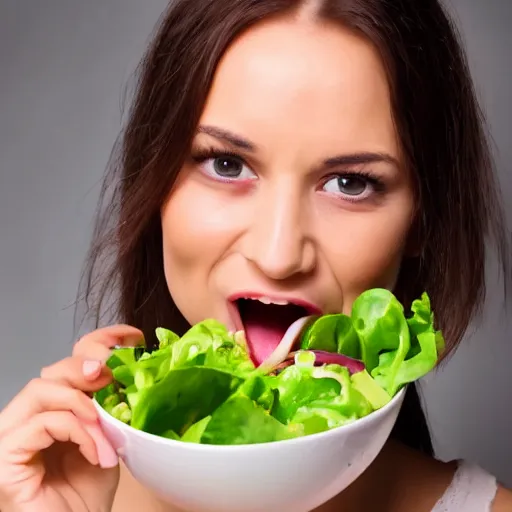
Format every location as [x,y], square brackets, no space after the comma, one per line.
[327,371]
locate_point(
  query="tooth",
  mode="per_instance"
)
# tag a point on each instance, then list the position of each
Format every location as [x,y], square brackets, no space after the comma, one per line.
[268,300]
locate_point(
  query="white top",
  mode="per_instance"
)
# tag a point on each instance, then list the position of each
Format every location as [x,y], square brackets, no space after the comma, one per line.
[471,490]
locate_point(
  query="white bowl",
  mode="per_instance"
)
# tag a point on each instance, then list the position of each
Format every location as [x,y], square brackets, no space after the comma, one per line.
[296,475]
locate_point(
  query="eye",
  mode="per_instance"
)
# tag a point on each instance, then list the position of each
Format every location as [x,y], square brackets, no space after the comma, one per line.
[353,187]
[227,167]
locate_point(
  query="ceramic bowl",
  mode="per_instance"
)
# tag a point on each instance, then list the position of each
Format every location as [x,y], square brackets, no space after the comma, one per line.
[296,475]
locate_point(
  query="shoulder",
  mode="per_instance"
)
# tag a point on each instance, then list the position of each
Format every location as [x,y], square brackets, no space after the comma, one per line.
[429,484]
[503,500]
[462,481]
[423,480]
[401,480]
[473,488]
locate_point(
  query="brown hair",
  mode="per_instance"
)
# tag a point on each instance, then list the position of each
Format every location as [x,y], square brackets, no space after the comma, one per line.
[437,117]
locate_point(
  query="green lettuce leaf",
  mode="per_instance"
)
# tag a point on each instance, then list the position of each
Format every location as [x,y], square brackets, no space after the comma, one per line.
[196,431]
[379,321]
[422,321]
[303,390]
[209,344]
[183,397]
[241,421]
[321,334]
[332,333]
[165,337]
[426,344]
[204,388]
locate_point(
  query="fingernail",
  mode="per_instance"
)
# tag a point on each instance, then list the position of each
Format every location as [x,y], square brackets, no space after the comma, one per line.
[107,456]
[108,459]
[91,368]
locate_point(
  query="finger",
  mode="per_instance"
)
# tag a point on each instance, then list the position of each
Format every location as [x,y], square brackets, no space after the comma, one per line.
[98,344]
[43,430]
[79,373]
[39,396]
[107,456]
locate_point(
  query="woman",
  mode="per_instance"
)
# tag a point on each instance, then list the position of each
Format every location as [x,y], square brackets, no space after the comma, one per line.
[294,153]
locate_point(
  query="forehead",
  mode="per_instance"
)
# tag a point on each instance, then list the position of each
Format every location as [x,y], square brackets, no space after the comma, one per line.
[310,80]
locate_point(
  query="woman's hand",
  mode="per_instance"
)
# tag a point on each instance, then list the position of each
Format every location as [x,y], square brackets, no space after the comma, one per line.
[53,454]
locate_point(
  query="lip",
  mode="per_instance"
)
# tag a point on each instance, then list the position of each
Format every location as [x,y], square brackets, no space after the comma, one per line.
[234,315]
[311,309]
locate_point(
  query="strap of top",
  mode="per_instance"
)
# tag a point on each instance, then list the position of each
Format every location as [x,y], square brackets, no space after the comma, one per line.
[472,490]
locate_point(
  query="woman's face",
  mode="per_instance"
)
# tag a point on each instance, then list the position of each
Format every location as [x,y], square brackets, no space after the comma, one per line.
[294,191]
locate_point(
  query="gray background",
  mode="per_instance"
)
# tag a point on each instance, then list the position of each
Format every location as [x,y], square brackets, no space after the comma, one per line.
[63,67]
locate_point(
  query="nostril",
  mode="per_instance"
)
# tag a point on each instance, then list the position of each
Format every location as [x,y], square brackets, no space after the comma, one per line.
[282,255]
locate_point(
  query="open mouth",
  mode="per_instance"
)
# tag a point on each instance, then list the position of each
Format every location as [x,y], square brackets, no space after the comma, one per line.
[265,323]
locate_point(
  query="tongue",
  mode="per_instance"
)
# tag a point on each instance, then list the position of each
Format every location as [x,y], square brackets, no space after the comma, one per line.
[265,325]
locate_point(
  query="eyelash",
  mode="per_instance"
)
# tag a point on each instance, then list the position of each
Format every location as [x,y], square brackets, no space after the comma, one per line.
[200,155]
[372,180]
[378,187]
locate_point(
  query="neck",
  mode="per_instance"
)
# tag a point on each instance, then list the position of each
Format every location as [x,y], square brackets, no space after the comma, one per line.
[359,496]
[399,480]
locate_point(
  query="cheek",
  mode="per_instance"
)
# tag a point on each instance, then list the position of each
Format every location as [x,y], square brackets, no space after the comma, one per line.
[197,230]
[194,226]
[369,251]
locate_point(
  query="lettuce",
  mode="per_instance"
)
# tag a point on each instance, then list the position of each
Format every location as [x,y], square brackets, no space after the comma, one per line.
[204,387]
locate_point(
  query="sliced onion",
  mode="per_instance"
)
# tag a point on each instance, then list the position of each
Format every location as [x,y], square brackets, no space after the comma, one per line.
[285,346]
[320,373]
[352,365]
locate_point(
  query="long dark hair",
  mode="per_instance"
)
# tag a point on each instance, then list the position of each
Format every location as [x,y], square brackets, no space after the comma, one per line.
[442,136]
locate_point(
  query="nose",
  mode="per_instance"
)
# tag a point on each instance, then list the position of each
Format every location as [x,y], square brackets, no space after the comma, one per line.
[278,241]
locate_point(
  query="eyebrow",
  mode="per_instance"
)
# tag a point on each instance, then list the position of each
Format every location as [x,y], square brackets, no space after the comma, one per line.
[365,157]
[227,136]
